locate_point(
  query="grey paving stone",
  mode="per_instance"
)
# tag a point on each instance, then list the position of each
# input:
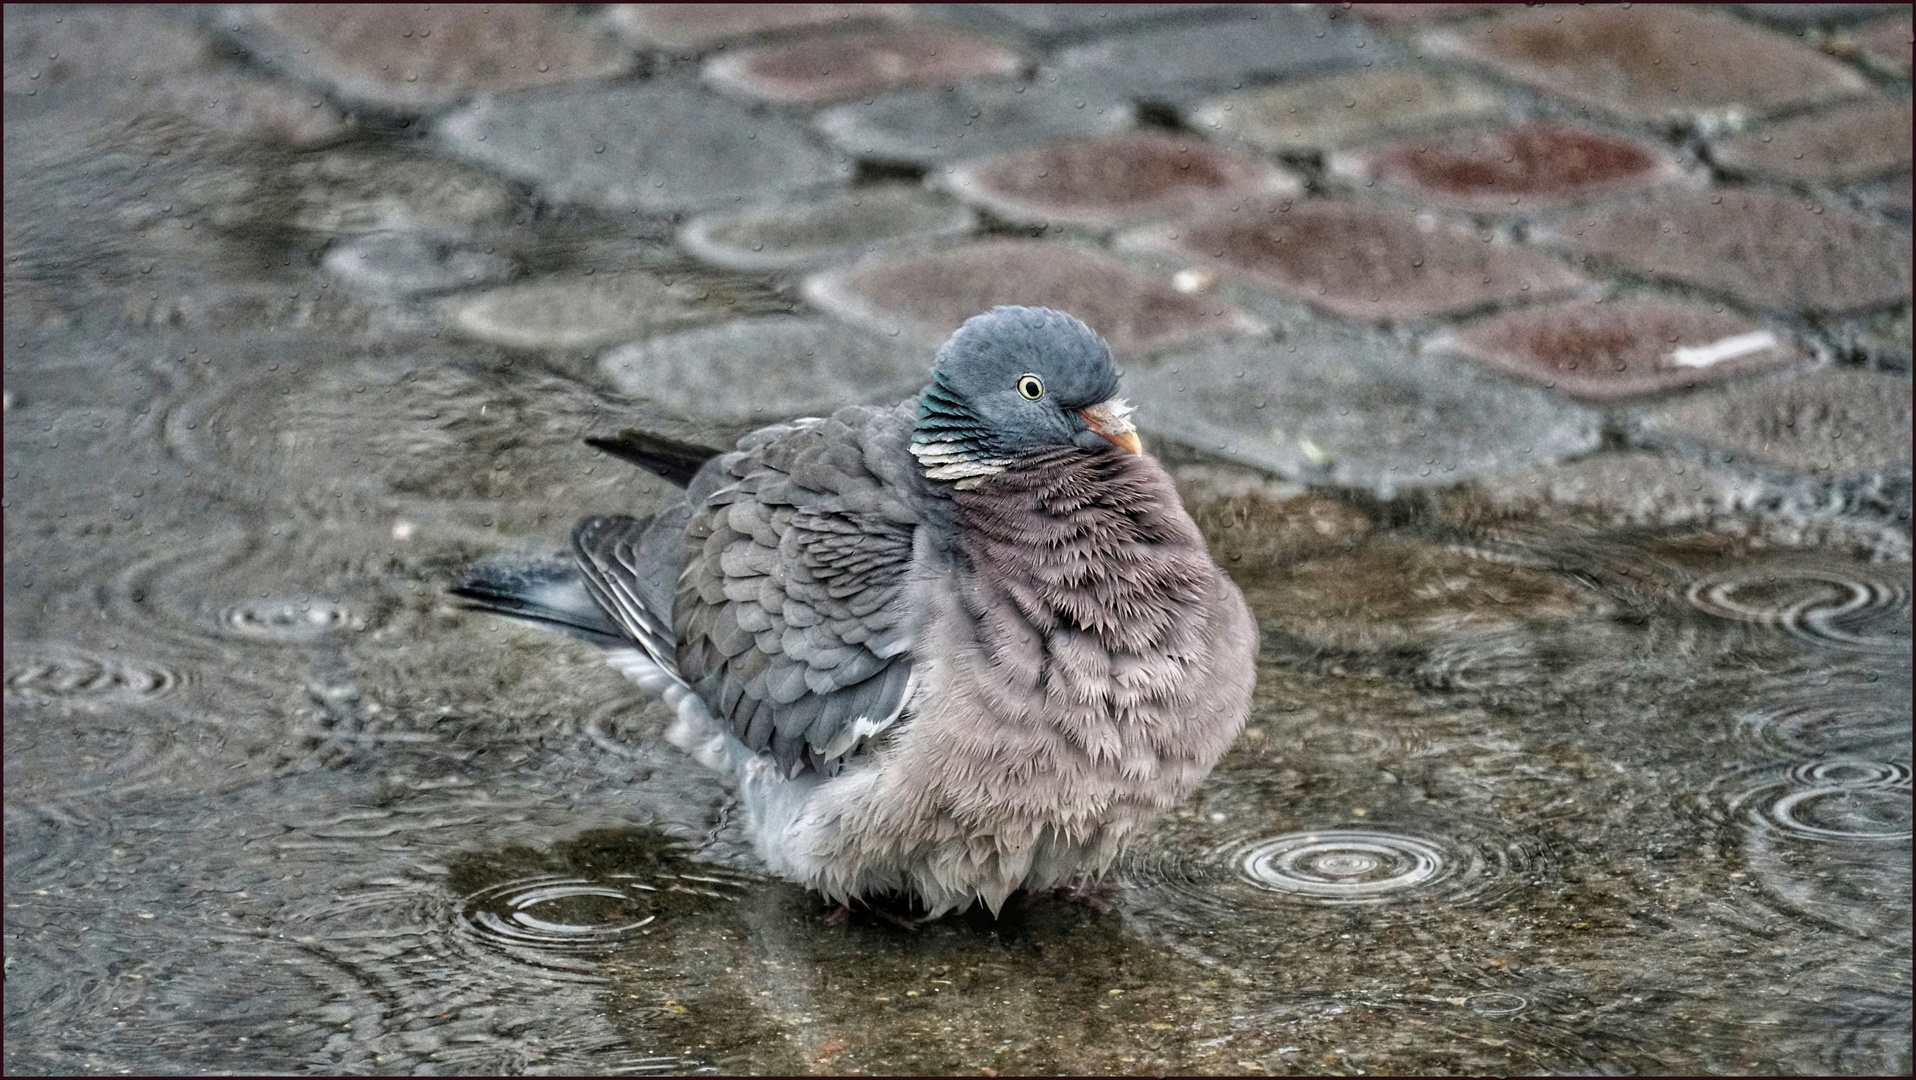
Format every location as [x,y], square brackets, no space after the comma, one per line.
[412,58]
[1829,421]
[929,295]
[1182,63]
[1844,145]
[412,264]
[1776,252]
[651,148]
[695,27]
[1362,262]
[834,67]
[139,66]
[1804,15]
[583,312]
[1651,62]
[355,191]
[847,226]
[1117,179]
[1050,23]
[1620,348]
[1511,168]
[769,368]
[1337,110]
[1323,406]
[928,127]
[54,52]
[1885,43]
[1631,487]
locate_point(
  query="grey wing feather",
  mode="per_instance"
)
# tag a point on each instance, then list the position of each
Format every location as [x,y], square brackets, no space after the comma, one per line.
[790,611]
[629,565]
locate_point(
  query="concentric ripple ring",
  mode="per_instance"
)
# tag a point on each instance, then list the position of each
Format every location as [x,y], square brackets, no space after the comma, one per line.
[1343,866]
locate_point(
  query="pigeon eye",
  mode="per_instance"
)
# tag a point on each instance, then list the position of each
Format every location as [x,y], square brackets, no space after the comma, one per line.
[1030,387]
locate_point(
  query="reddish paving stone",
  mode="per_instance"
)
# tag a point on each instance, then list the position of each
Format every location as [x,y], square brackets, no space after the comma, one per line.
[1519,167]
[839,66]
[930,295]
[414,56]
[1117,179]
[1619,348]
[1362,262]
[1886,43]
[1769,250]
[1842,146]
[695,27]
[1652,63]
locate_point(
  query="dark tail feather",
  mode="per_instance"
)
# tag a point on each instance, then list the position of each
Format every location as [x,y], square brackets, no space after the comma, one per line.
[673,460]
[547,593]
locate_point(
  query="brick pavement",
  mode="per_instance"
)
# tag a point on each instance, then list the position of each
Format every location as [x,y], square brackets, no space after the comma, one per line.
[1496,230]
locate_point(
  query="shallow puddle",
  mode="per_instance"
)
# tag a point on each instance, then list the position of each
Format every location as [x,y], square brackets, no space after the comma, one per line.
[1522,791]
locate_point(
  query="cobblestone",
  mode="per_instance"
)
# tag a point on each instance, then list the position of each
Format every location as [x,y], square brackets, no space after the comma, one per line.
[411,264]
[51,53]
[1620,348]
[1185,62]
[1117,180]
[1336,110]
[1355,411]
[1362,262]
[407,56]
[1841,146]
[847,226]
[769,368]
[353,192]
[1045,23]
[651,148]
[928,127]
[1511,169]
[839,66]
[1886,43]
[697,27]
[1830,421]
[1651,63]
[928,296]
[1768,250]
[584,312]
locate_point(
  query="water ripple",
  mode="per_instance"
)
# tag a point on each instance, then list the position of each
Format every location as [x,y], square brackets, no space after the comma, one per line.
[1342,866]
[1846,607]
[1838,800]
[73,675]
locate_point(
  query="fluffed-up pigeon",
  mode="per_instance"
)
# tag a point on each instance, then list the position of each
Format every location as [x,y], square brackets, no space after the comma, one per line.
[948,649]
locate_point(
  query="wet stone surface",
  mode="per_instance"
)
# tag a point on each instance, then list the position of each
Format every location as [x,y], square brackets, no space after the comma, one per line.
[848,226]
[1651,63]
[1354,411]
[839,66]
[928,296]
[768,369]
[644,147]
[931,126]
[1509,169]
[1620,348]
[1361,262]
[1580,742]
[695,27]
[1185,62]
[1841,146]
[1117,180]
[601,309]
[409,56]
[1835,422]
[1758,247]
[1337,110]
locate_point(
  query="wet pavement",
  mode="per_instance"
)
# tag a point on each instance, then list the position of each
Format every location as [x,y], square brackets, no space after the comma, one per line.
[1542,376]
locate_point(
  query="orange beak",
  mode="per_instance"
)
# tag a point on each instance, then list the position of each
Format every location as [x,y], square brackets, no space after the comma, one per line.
[1112,419]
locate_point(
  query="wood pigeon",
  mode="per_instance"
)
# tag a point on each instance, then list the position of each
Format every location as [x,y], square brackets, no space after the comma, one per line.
[948,649]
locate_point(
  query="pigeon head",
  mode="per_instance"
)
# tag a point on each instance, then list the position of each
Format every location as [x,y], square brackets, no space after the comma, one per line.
[1014,380]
